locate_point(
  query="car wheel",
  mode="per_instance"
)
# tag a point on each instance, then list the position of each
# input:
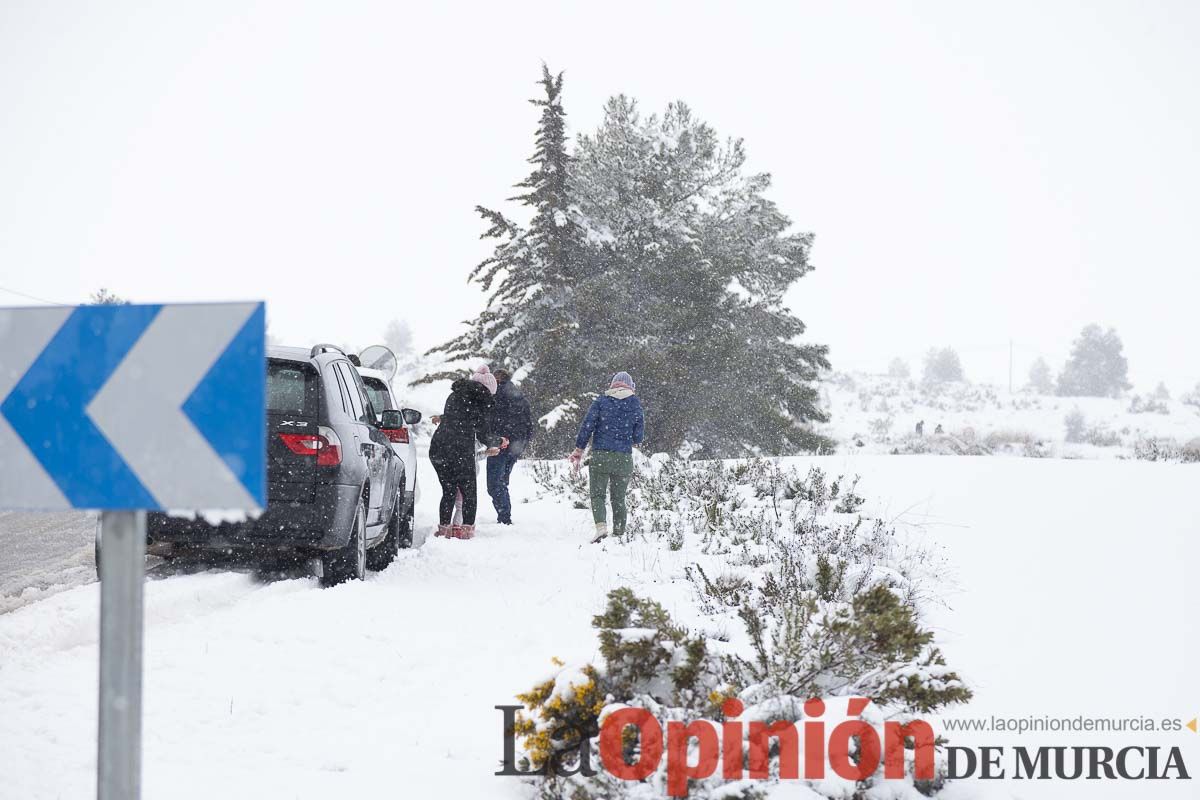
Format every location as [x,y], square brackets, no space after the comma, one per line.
[406,530]
[350,562]
[384,553]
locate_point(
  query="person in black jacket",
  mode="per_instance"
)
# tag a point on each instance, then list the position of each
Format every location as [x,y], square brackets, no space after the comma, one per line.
[464,421]
[511,419]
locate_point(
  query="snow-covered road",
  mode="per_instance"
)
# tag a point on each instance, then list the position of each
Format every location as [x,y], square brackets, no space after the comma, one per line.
[44,553]
[1075,595]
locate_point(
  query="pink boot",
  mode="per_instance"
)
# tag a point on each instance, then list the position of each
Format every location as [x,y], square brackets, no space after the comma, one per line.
[446,531]
[466,532]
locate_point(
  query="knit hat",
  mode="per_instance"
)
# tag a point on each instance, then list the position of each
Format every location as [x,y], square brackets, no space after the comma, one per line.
[484,375]
[622,380]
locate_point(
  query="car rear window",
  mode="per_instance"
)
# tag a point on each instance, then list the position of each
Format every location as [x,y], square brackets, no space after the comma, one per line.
[377,393]
[287,387]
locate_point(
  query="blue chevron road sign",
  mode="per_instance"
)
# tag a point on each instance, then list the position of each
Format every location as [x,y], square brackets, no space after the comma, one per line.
[125,407]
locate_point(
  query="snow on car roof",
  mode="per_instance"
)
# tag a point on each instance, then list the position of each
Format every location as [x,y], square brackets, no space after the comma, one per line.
[289,353]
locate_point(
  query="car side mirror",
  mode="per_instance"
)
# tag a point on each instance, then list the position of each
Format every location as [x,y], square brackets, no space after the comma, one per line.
[411,416]
[391,420]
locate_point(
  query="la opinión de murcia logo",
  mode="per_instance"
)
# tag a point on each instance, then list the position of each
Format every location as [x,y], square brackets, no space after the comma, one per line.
[721,745]
[853,750]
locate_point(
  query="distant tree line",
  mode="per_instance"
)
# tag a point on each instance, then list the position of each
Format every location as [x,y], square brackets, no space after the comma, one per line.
[1096,367]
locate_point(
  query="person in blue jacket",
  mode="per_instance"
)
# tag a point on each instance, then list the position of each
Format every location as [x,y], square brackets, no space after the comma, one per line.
[614,423]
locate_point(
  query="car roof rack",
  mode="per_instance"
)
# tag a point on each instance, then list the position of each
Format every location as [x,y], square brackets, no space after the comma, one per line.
[322,348]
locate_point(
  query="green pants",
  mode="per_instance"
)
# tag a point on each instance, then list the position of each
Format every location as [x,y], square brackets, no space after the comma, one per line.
[609,472]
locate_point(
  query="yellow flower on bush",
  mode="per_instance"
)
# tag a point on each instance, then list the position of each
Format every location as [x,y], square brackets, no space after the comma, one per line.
[560,713]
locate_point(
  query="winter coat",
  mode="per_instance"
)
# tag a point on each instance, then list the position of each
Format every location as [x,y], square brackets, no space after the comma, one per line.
[464,421]
[614,422]
[511,417]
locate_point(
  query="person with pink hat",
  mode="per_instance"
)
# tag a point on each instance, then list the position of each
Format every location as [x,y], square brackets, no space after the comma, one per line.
[452,449]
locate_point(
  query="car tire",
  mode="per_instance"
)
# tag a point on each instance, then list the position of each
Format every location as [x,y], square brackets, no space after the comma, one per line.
[350,562]
[384,553]
[406,530]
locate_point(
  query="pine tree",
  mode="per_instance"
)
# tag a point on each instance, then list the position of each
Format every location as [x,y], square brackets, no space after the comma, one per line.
[104,297]
[529,326]
[398,337]
[1040,379]
[898,370]
[649,251]
[942,365]
[1097,366]
[695,262]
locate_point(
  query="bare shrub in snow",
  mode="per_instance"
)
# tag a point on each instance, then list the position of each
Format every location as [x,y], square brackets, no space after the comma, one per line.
[941,444]
[1079,432]
[1167,450]
[1148,404]
[1100,436]
[1023,443]
[1076,425]
[556,479]
[1192,398]
[881,427]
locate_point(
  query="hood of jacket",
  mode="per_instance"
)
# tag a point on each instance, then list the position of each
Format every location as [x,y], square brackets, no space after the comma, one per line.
[472,392]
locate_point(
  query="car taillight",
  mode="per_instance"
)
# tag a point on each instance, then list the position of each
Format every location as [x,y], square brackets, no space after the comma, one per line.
[325,445]
[397,435]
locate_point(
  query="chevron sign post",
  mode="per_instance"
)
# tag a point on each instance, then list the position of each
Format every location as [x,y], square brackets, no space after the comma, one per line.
[124,409]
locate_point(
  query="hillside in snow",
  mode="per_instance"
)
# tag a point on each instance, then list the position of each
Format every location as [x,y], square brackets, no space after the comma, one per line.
[878,414]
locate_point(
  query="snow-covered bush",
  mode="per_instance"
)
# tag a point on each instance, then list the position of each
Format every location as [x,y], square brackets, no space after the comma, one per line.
[1147,404]
[1078,431]
[881,427]
[1023,443]
[828,602]
[1192,398]
[1076,425]
[1005,437]
[556,479]
[560,714]
[940,444]
[1167,450]
[871,646]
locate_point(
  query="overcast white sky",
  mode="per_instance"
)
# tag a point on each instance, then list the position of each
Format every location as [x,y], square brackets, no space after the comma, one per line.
[973,171]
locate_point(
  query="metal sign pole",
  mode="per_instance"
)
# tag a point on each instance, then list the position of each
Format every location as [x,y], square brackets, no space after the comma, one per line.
[122,573]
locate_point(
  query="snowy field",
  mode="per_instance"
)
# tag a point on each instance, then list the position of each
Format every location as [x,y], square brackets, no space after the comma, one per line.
[877,414]
[1073,594]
